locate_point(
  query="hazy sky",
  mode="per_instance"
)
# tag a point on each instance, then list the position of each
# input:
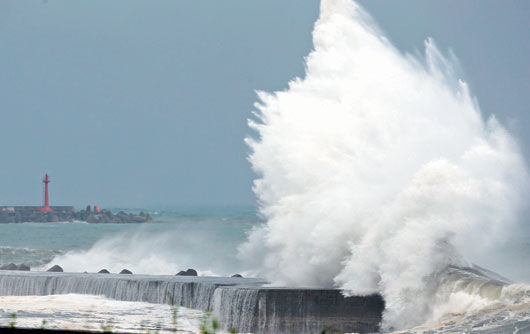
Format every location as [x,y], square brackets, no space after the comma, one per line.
[144,103]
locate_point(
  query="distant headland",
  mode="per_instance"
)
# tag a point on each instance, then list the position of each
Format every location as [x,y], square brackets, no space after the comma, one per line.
[47,213]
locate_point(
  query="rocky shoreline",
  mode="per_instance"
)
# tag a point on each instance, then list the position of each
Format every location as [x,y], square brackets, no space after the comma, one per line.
[31,214]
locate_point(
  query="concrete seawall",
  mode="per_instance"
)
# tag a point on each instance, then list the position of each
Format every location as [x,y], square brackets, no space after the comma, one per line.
[242,303]
[296,310]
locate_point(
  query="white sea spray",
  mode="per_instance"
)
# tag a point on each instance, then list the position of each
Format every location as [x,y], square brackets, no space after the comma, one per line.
[377,170]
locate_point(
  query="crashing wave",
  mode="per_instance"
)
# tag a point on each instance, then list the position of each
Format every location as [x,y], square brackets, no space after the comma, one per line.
[377,171]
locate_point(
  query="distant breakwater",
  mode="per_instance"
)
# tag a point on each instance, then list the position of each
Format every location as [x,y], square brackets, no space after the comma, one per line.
[32,214]
[242,303]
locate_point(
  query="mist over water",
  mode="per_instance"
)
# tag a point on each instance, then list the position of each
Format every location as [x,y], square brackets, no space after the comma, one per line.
[377,171]
[201,239]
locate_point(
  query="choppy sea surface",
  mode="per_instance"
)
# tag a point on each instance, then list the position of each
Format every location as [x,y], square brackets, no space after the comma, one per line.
[207,239]
[203,238]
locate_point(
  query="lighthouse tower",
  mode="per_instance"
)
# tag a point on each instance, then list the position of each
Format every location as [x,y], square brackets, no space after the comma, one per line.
[46,207]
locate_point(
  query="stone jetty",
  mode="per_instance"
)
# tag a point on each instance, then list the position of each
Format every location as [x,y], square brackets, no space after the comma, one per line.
[32,214]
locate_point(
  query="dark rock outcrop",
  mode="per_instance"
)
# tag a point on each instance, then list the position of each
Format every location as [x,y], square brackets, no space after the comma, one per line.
[55,269]
[24,267]
[126,272]
[103,271]
[10,266]
[189,272]
[106,216]
[237,275]
[13,266]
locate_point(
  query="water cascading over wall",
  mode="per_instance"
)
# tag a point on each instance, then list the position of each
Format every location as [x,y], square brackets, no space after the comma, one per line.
[237,302]
[194,293]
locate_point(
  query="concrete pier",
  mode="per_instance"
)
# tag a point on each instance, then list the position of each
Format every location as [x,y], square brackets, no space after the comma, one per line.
[243,303]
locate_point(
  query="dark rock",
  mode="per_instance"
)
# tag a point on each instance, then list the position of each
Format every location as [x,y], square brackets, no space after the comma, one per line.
[93,218]
[189,272]
[10,266]
[103,271]
[137,219]
[55,269]
[236,275]
[24,267]
[125,271]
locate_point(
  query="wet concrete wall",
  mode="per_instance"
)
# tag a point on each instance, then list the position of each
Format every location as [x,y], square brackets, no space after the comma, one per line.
[242,303]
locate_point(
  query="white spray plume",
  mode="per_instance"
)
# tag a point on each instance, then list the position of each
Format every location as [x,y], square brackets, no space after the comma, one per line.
[377,170]
[158,249]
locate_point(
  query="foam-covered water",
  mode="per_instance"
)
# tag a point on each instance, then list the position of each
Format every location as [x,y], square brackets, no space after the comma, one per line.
[85,312]
[472,300]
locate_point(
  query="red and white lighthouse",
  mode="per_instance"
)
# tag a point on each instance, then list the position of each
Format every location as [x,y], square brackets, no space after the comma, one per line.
[46,207]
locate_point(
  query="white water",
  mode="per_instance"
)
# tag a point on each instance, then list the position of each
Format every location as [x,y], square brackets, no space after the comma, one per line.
[377,171]
[469,301]
[142,253]
[83,312]
[161,248]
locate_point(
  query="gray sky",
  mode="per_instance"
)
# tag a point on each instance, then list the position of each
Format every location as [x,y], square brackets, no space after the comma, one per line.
[144,103]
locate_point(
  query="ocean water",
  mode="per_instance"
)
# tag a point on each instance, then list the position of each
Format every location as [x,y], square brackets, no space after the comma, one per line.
[376,172]
[207,239]
[203,238]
